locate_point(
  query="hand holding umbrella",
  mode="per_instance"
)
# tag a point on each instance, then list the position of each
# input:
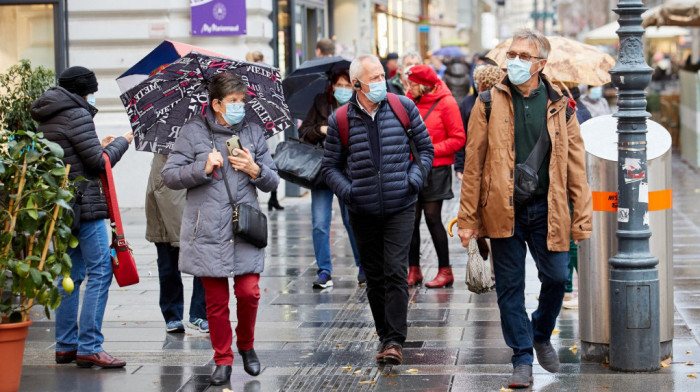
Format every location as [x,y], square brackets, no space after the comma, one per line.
[214,160]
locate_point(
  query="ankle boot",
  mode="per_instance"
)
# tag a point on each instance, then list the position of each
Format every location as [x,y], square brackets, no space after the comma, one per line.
[415,275]
[444,278]
[251,363]
[273,202]
[221,375]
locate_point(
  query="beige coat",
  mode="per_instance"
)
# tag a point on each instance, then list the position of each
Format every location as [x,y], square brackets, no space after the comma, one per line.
[164,206]
[487,187]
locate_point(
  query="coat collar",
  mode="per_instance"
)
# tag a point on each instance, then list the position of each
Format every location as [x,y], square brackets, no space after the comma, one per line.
[553,94]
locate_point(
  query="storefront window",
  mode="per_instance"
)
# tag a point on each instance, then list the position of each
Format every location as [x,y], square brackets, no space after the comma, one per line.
[284,38]
[28,33]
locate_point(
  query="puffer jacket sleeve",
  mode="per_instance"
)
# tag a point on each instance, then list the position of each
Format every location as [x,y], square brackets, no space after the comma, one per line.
[454,129]
[423,144]
[182,170]
[268,179]
[333,164]
[81,134]
[577,183]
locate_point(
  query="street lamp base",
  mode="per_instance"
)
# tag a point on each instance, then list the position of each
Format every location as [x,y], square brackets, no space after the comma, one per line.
[600,352]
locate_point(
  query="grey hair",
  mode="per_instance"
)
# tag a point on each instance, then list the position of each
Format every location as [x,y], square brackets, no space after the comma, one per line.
[356,68]
[534,37]
[412,53]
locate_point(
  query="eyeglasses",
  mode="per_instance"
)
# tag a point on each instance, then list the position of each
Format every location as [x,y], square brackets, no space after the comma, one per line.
[522,56]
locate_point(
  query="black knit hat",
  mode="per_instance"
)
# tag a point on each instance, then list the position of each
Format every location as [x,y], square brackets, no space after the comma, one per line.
[78,80]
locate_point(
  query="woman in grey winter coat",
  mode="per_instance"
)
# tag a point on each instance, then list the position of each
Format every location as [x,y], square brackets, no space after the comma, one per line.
[208,248]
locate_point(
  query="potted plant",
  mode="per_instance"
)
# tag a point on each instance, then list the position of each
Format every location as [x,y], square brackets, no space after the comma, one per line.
[34,221]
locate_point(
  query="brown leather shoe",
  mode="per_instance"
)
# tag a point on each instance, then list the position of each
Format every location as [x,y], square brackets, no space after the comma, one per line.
[380,354]
[392,354]
[66,356]
[444,278]
[415,275]
[101,359]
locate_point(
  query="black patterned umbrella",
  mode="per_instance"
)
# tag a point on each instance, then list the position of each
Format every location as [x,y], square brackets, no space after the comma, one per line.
[160,105]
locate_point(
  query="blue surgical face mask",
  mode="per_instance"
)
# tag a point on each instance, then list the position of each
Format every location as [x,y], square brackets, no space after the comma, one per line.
[90,99]
[595,93]
[519,71]
[235,111]
[377,91]
[342,95]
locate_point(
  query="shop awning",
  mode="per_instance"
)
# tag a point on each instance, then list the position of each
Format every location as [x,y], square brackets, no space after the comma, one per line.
[674,13]
[607,33]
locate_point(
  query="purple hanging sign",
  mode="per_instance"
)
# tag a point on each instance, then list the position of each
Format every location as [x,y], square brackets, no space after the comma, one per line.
[218,17]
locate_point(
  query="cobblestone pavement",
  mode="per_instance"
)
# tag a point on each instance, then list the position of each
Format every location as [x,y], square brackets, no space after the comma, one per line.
[325,341]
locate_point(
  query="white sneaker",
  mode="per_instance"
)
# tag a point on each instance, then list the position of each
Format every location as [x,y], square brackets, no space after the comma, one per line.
[570,304]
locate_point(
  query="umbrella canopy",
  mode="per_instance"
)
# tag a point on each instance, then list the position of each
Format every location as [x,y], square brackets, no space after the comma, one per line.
[674,13]
[309,80]
[449,51]
[327,65]
[159,106]
[569,61]
[165,53]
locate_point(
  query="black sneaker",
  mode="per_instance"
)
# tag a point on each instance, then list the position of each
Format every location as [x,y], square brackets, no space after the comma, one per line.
[323,281]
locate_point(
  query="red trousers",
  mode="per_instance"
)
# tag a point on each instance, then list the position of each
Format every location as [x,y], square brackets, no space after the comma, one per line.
[247,292]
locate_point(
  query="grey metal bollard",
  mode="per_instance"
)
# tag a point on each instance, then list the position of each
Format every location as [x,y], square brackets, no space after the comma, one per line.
[600,137]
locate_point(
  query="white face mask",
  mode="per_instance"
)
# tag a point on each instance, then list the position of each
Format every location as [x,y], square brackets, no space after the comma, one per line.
[90,99]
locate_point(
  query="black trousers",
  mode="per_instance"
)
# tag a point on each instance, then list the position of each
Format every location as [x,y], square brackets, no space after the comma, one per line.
[383,243]
[171,291]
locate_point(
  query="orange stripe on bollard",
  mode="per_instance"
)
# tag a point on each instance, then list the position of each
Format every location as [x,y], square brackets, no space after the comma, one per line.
[658,200]
[605,201]
[661,200]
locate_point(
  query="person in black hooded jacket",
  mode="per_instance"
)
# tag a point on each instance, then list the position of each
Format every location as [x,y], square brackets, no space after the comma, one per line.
[65,115]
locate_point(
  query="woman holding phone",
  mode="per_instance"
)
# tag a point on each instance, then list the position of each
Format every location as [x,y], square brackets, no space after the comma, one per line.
[208,248]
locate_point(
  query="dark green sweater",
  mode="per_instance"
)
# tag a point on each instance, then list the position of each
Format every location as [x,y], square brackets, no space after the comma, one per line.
[530,112]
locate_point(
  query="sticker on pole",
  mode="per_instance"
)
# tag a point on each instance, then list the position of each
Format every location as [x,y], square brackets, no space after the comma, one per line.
[632,170]
[644,192]
[623,215]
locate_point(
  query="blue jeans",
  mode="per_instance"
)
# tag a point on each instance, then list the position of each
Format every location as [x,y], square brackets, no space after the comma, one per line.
[92,256]
[321,213]
[509,266]
[171,299]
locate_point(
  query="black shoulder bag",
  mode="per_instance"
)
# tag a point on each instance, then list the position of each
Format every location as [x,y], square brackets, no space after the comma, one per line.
[525,175]
[249,223]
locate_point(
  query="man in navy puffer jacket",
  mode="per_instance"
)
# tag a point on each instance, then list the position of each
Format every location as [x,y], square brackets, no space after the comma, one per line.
[378,181]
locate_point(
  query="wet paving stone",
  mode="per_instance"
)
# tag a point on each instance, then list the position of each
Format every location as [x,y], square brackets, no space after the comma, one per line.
[324,340]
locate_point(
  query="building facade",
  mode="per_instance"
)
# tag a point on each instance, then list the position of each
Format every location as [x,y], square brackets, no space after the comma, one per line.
[109,37]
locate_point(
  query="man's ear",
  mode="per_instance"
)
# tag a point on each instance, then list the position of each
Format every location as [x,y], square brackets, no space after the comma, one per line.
[544,63]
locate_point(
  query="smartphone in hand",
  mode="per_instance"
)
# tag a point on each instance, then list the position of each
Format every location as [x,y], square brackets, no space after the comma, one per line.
[233,143]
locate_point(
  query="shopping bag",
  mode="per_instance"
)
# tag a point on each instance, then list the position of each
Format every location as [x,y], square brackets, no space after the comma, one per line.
[299,163]
[478,276]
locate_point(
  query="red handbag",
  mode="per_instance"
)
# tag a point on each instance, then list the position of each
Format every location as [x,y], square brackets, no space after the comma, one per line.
[123,262]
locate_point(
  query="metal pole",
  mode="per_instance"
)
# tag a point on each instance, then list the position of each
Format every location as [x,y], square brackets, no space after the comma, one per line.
[634,283]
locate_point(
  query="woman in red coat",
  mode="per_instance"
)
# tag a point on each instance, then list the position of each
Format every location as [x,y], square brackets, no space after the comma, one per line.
[441,115]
